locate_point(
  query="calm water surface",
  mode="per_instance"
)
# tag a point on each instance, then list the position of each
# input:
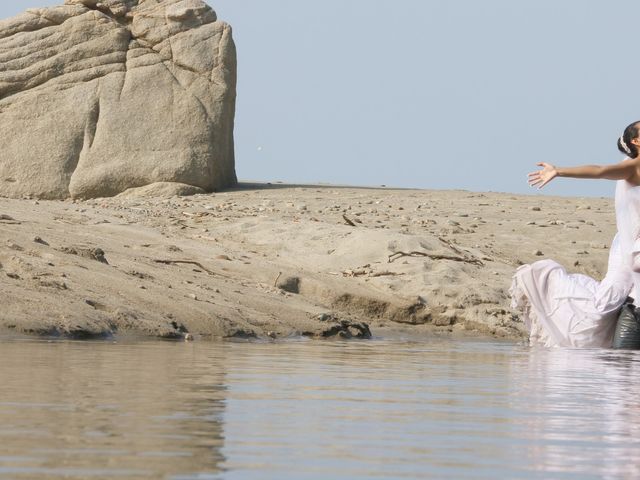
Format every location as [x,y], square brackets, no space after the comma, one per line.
[380,409]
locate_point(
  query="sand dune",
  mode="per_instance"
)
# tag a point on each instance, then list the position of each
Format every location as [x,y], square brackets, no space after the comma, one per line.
[281,260]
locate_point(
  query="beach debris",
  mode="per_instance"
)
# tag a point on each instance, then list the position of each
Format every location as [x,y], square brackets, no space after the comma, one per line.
[538,253]
[92,253]
[7,219]
[535,209]
[140,275]
[395,256]
[40,241]
[187,262]
[348,221]
[386,273]
[57,284]
[95,304]
[289,284]
[366,271]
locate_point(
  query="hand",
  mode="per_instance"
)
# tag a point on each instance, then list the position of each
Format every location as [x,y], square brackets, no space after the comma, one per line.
[542,177]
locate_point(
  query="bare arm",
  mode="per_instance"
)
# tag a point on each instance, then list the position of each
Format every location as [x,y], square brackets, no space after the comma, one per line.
[625,170]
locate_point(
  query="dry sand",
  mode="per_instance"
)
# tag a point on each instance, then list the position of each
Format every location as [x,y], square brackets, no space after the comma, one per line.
[279,260]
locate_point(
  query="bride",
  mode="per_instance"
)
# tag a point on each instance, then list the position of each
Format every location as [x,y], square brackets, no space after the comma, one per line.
[574,310]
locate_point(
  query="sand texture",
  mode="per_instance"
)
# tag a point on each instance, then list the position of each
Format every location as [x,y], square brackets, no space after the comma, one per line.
[277,261]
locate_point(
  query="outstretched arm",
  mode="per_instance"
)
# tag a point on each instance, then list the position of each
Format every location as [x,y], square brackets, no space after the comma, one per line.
[619,171]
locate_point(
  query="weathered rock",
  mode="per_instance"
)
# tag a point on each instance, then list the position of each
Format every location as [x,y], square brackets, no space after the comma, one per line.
[97,97]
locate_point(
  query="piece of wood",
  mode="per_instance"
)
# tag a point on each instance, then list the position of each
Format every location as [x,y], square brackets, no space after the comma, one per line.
[188,262]
[474,261]
[347,221]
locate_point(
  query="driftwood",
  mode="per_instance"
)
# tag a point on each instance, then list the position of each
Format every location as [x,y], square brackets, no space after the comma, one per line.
[474,261]
[187,262]
[452,246]
[348,222]
[386,274]
[364,272]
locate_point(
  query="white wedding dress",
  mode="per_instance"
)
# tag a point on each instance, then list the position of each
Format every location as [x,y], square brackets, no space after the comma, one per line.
[574,310]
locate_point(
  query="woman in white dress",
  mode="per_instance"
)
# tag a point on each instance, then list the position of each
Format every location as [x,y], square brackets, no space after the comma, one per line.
[574,310]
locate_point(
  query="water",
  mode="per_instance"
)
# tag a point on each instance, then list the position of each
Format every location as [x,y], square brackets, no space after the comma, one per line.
[379,409]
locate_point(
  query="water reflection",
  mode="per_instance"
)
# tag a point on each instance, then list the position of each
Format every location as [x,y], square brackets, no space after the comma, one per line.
[315,410]
[94,410]
[579,410]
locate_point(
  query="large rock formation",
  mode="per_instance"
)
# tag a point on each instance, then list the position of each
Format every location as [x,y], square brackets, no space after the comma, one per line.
[100,96]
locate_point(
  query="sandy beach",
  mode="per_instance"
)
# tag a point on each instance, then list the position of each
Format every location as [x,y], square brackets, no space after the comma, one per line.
[274,260]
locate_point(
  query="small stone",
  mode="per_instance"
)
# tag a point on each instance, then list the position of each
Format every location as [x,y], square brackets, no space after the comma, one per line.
[40,241]
[98,254]
[538,253]
[535,209]
[193,296]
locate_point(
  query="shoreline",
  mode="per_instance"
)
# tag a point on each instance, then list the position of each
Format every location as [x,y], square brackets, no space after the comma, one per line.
[276,260]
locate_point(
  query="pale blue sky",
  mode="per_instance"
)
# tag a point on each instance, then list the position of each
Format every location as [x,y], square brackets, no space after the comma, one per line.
[431,94]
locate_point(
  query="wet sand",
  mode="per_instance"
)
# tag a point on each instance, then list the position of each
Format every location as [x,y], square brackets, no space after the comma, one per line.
[271,261]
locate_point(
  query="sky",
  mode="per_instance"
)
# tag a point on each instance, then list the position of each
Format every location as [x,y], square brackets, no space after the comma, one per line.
[434,94]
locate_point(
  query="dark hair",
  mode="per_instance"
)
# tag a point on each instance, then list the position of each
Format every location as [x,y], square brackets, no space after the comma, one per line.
[630,133]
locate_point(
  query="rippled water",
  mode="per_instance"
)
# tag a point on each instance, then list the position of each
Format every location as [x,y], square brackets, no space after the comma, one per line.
[316,410]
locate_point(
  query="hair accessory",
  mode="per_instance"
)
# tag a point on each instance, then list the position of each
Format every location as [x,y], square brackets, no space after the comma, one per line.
[624,145]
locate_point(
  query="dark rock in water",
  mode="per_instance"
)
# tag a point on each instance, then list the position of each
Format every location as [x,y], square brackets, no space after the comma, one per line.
[346,329]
